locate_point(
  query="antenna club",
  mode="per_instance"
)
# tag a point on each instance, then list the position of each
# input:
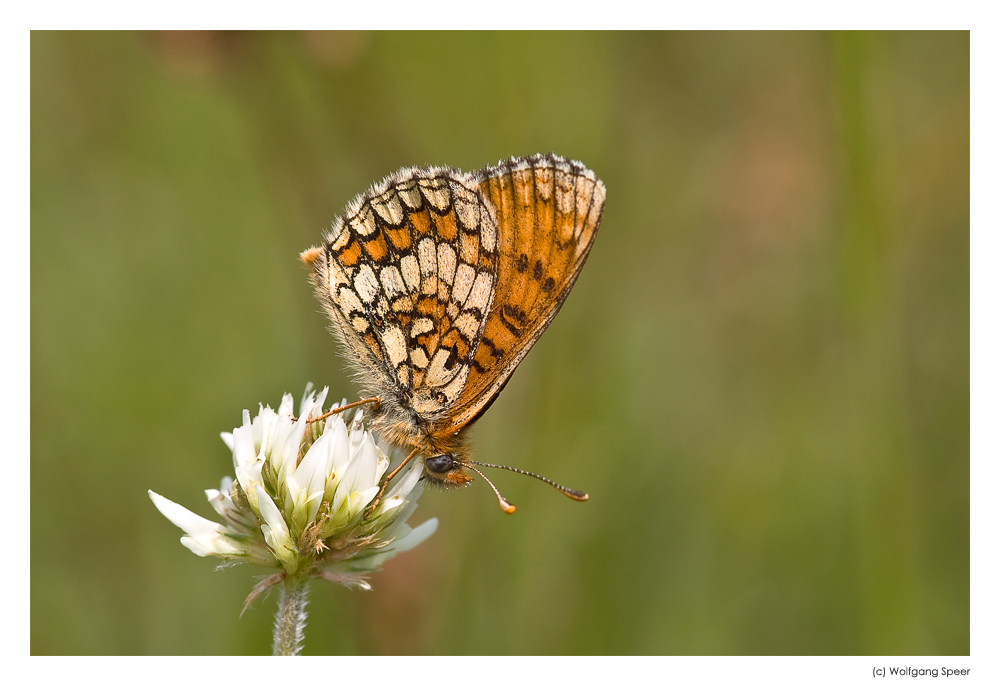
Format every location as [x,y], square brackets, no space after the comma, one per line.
[504,505]
[570,493]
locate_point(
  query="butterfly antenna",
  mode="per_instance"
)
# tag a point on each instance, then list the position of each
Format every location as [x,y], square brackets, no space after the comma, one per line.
[568,492]
[504,505]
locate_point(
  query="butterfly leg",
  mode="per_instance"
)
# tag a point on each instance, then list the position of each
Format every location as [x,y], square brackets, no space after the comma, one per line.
[375,401]
[386,480]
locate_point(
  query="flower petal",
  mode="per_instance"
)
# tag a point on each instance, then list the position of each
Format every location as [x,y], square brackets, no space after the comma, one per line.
[416,536]
[244,451]
[316,464]
[410,479]
[359,475]
[341,448]
[204,537]
[276,531]
[183,518]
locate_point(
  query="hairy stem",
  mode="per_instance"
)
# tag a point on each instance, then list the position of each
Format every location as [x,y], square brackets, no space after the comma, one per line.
[290,619]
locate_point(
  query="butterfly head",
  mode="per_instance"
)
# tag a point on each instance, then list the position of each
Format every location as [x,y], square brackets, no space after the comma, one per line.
[449,470]
[446,469]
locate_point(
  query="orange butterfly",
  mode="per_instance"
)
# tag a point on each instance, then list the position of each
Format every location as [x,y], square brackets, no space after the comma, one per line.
[438,282]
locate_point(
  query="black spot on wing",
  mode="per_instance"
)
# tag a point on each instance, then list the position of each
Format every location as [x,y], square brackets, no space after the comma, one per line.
[514,318]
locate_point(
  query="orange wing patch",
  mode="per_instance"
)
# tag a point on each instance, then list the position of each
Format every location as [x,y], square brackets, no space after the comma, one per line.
[548,211]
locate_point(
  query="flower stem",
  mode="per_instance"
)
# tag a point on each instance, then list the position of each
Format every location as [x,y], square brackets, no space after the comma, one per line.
[290,619]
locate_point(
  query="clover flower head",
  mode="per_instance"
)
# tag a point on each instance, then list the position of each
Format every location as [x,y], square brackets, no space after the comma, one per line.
[301,500]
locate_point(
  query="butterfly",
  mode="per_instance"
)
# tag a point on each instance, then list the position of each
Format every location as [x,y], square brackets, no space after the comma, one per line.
[438,282]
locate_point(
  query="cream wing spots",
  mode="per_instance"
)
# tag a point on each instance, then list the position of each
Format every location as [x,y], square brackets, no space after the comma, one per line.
[407,276]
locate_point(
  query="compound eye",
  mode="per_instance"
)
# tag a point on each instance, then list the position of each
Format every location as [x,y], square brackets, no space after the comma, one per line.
[439,464]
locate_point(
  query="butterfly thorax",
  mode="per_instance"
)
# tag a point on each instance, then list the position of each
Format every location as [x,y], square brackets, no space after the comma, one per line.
[446,451]
[404,427]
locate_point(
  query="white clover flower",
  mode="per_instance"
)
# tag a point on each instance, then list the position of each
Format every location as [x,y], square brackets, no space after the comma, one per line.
[301,500]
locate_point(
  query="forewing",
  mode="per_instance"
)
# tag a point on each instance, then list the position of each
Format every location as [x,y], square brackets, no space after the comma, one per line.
[548,211]
[407,277]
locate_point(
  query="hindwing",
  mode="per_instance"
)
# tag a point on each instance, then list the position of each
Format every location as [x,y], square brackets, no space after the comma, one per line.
[407,277]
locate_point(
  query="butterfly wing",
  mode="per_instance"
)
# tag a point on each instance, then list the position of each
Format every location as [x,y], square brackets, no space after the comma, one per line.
[438,282]
[407,277]
[548,211]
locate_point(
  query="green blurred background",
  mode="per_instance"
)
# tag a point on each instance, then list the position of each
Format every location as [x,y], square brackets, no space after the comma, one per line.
[761,377]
